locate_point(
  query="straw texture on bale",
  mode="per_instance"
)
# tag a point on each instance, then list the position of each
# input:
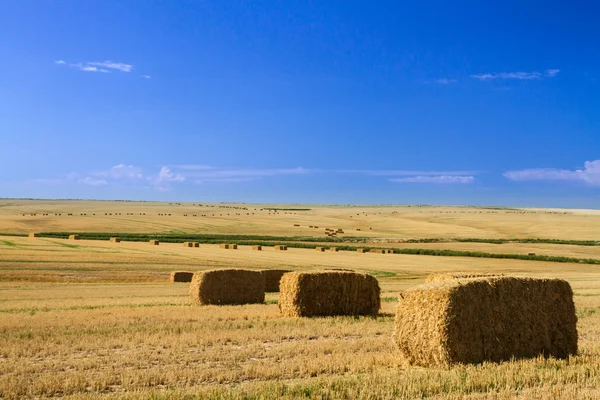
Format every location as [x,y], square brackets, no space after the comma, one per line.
[181,276]
[154,242]
[272,278]
[486,319]
[227,286]
[34,235]
[73,237]
[327,293]
[448,276]
[257,247]
[115,239]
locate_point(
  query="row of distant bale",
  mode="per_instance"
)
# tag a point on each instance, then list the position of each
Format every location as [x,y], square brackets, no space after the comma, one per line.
[452,318]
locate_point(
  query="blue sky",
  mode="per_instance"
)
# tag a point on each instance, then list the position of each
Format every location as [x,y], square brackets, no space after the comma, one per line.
[301,102]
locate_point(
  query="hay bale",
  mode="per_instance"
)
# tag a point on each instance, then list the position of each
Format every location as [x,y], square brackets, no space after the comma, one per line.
[73,237]
[389,251]
[378,251]
[448,276]
[181,276]
[34,235]
[486,319]
[188,244]
[115,239]
[361,250]
[257,247]
[272,278]
[531,254]
[321,249]
[196,244]
[280,247]
[325,293]
[334,249]
[233,246]
[154,242]
[224,246]
[228,286]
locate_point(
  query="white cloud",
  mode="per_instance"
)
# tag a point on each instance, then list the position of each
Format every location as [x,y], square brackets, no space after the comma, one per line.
[392,172]
[146,77]
[88,180]
[435,179]
[552,72]
[60,62]
[445,81]
[165,175]
[122,171]
[589,174]
[112,65]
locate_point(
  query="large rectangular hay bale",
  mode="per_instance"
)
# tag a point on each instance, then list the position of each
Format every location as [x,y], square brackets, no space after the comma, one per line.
[361,250]
[325,293]
[257,247]
[115,240]
[272,278]
[73,237]
[34,235]
[224,246]
[320,249]
[154,242]
[280,247]
[196,244]
[188,244]
[486,319]
[181,276]
[227,286]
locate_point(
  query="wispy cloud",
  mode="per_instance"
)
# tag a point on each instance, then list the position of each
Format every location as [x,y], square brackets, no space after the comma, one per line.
[445,81]
[516,75]
[440,179]
[589,174]
[146,77]
[96,66]
[88,180]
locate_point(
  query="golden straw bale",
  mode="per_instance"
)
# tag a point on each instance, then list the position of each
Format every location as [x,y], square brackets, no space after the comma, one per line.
[272,278]
[196,244]
[233,246]
[361,250]
[321,249]
[154,242]
[181,276]
[228,286]
[280,247]
[115,239]
[378,251]
[486,319]
[34,235]
[324,293]
[257,247]
[224,246]
[334,249]
[188,244]
[73,237]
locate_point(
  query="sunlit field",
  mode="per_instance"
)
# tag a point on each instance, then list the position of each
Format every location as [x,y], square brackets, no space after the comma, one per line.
[94,319]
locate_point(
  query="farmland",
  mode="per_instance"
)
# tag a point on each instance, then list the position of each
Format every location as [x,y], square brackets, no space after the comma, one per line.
[94,319]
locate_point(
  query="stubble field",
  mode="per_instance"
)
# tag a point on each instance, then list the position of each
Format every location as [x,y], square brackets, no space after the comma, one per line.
[93,319]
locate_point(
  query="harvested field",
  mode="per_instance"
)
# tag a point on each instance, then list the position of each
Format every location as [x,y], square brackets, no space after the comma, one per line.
[181,276]
[472,320]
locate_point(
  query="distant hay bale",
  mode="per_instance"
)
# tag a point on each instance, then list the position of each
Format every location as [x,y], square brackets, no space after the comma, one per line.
[227,286]
[224,246]
[154,242]
[327,293]
[378,251]
[196,244]
[448,276]
[34,235]
[320,249]
[361,250]
[280,247]
[73,237]
[272,278]
[257,247]
[296,224]
[115,239]
[531,254]
[188,244]
[233,246]
[181,276]
[389,251]
[334,249]
[486,319]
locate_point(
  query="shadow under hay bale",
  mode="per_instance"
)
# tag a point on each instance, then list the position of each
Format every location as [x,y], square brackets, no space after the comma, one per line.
[154,242]
[181,276]
[114,239]
[227,286]
[486,319]
[272,278]
[328,293]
